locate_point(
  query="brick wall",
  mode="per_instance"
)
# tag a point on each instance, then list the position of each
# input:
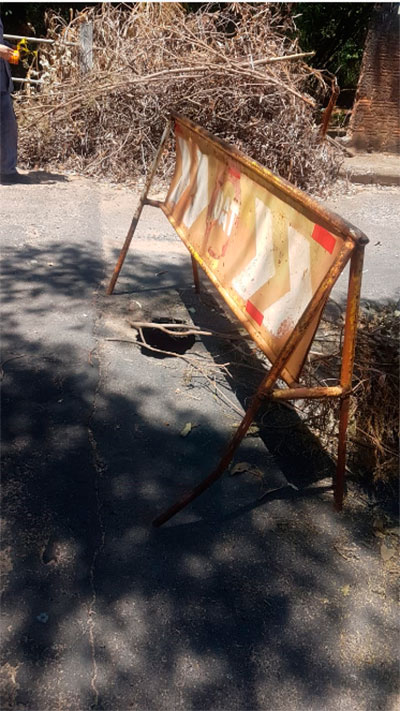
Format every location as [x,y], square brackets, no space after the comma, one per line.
[375,122]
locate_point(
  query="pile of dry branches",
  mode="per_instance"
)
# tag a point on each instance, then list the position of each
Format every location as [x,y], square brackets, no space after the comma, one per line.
[223,68]
[374,423]
[376,415]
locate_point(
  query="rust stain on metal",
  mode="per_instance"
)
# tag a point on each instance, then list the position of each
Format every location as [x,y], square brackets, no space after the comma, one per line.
[307,393]
[138,212]
[346,374]
[331,105]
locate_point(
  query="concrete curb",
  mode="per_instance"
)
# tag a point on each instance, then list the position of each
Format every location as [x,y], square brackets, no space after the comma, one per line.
[372,168]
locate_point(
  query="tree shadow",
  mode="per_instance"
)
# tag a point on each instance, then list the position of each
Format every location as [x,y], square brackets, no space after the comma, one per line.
[295,448]
[229,606]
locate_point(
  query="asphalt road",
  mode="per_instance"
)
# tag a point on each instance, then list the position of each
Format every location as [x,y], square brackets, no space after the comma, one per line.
[375,210]
[248,599]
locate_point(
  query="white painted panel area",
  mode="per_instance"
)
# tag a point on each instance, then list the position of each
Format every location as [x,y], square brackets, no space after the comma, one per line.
[184,179]
[200,200]
[262,267]
[283,315]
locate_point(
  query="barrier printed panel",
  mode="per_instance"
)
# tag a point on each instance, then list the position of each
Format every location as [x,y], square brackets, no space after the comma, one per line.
[266,257]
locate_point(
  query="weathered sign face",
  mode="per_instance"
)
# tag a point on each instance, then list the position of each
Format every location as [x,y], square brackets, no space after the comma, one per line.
[266,257]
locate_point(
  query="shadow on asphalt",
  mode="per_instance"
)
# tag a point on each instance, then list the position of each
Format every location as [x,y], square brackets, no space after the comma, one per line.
[236,609]
[296,450]
[39,177]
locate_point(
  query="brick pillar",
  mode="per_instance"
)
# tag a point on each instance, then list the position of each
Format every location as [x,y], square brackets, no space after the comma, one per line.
[375,121]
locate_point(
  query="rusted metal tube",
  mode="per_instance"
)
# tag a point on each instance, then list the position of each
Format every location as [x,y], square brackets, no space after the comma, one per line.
[351,321]
[195,275]
[266,385]
[331,105]
[153,203]
[306,393]
[339,484]
[349,345]
[217,473]
[138,212]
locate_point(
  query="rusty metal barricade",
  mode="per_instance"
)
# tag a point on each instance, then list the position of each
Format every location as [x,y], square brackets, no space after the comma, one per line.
[274,255]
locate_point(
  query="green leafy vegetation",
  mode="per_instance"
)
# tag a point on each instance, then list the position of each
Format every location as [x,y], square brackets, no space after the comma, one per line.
[337,33]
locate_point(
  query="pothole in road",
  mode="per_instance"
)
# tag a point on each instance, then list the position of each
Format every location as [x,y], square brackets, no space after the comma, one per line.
[156,338]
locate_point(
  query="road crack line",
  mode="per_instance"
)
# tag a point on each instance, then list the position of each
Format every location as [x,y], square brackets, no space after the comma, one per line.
[99,470]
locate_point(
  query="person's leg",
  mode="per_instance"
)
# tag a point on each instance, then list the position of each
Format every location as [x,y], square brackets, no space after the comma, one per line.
[8,131]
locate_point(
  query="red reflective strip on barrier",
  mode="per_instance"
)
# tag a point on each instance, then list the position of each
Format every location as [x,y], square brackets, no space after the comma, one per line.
[254,313]
[324,238]
[234,172]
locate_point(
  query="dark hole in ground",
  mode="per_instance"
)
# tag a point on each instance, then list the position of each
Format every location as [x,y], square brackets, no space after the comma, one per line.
[164,341]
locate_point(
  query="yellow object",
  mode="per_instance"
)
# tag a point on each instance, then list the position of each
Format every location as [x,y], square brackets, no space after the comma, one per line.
[22,52]
[14,59]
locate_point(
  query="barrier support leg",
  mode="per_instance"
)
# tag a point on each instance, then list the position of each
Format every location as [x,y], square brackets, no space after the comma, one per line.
[349,344]
[331,105]
[138,212]
[217,473]
[265,387]
[195,275]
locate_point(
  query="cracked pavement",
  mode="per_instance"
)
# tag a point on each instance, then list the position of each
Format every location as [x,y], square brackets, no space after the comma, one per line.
[247,599]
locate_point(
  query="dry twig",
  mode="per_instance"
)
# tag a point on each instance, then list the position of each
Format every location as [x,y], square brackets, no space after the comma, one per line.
[238,72]
[374,424]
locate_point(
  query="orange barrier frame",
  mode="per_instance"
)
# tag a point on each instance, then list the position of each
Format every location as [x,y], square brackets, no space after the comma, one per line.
[352,249]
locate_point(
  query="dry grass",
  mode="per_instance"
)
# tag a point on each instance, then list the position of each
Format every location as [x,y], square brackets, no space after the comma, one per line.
[374,423]
[376,413]
[213,67]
